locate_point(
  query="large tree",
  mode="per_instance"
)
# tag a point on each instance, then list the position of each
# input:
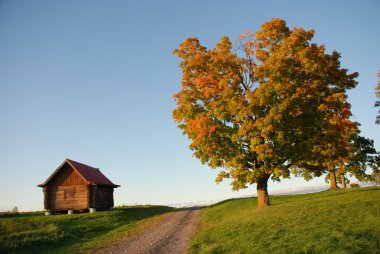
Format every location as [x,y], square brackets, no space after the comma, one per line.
[275,104]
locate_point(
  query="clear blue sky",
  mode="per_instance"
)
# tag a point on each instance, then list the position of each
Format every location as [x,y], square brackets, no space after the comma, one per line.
[93,81]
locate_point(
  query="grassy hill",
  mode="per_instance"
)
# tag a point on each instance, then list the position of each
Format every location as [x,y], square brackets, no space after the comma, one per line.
[342,221]
[78,233]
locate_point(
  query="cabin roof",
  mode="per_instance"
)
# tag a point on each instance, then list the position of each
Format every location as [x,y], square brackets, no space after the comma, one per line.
[88,173]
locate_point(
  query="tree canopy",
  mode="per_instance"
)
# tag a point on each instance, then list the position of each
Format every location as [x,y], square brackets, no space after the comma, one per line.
[273,104]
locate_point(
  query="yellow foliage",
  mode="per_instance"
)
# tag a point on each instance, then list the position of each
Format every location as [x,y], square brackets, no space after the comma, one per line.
[280,104]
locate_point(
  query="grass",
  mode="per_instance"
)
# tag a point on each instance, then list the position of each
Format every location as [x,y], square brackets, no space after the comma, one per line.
[342,221]
[78,233]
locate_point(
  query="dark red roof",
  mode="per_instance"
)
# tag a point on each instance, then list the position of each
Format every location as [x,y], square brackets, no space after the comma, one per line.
[91,174]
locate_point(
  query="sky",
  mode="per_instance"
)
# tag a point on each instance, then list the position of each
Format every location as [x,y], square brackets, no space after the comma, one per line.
[93,81]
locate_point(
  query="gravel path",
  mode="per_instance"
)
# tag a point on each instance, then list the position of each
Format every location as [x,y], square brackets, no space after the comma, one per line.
[169,235]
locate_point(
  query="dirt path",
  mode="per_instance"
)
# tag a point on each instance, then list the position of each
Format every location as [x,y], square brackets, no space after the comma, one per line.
[169,235]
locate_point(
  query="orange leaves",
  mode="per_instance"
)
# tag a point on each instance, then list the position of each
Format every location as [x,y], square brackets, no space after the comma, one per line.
[281,99]
[208,85]
[213,128]
[264,149]
[187,48]
[246,43]
[268,38]
[247,35]
[201,126]
[322,107]
[224,46]
[197,124]
[207,72]
[262,55]
[272,32]
[249,48]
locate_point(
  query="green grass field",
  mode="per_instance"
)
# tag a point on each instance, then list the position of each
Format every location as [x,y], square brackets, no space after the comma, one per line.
[342,221]
[77,233]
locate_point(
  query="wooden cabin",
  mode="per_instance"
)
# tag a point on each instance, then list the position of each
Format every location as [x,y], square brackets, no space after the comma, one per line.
[77,187]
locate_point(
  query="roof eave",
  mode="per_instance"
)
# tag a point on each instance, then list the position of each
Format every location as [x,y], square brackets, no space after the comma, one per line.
[108,185]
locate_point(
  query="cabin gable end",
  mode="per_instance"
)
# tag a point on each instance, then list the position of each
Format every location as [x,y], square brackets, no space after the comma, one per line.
[66,176]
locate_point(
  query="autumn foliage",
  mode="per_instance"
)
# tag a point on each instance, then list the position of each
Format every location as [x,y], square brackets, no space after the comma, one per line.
[273,104]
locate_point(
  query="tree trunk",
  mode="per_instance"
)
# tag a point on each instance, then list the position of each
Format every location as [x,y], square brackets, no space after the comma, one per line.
[343,182]
[262,192]
[333,185]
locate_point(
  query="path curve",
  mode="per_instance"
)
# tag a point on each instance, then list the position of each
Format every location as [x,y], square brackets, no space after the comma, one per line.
[169,235]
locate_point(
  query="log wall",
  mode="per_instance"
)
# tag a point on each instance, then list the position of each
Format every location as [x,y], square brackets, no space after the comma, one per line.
[67,197]
[100,197]
[92,196]
[104,197]
[67,190]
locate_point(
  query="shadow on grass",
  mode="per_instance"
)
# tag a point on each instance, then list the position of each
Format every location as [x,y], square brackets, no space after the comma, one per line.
[288,199]
[229,200]
[20,215]
[37,233]
[370,188]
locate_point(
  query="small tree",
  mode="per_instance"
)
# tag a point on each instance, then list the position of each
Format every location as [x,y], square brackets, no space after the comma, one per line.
[364,157]
[277,105]
[361,158]
[376,178]
[344,181]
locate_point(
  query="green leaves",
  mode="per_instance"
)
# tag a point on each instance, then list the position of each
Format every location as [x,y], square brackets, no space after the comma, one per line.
[279,105]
